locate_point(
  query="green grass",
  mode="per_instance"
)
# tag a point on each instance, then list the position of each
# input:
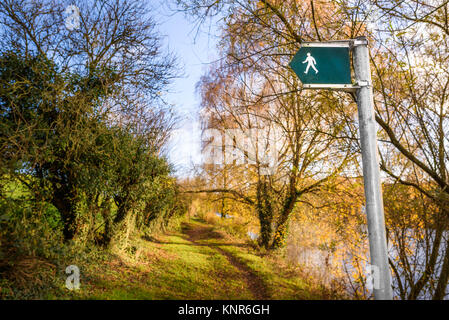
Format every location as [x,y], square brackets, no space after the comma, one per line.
[169,267]
[282,281]
[199,262]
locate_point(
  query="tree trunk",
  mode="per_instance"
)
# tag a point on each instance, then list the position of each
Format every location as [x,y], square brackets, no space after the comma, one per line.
[123,206]
[282,226]
[430,266]
[265,212]
[108,233]
[66,205]
[280,235]
[265,230]
[444,276]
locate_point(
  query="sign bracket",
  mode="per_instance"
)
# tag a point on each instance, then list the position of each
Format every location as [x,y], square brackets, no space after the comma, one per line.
[332,87]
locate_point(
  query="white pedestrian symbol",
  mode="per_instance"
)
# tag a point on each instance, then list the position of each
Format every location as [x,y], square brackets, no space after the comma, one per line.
[311,62]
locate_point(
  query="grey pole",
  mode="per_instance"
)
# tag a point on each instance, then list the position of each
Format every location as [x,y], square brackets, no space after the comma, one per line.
[371,174]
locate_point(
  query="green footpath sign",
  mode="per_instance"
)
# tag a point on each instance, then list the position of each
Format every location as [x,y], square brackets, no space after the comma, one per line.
[323,63]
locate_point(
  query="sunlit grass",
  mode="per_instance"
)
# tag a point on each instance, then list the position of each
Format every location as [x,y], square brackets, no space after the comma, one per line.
[201,262]
[172,269]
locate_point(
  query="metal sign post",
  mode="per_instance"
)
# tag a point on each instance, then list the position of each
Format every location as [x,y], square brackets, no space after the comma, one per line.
[325,65]
[371,172]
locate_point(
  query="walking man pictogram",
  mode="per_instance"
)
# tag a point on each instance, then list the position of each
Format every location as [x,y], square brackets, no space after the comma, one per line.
[311,62]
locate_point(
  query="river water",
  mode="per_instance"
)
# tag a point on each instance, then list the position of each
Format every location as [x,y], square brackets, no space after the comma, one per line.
[327,268]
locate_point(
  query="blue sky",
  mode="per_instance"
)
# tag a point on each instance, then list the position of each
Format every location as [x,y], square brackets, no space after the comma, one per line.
[195,50]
